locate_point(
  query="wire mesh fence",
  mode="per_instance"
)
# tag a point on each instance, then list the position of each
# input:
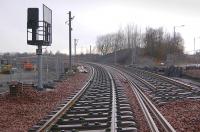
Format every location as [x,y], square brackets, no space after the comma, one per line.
[53,67]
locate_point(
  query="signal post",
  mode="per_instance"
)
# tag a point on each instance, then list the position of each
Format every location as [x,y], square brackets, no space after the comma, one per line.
[39,33]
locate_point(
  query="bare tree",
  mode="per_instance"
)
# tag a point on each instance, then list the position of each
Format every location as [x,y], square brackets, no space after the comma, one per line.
[159,44]
[155,43]
[133,40]
[102,45]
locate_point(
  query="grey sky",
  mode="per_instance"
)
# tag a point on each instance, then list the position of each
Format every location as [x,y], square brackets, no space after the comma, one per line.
[97,17]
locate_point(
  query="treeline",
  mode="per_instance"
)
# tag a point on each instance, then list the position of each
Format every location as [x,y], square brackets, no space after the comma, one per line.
[155,43]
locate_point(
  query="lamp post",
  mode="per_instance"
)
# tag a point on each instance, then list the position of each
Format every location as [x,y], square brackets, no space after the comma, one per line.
[174,43]
[75,44]
[175,32]
[195,43]
[195,49]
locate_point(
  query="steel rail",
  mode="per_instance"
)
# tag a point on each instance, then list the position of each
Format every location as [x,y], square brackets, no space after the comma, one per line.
[145,110]
[114,119]
[142,98]
[152,87]
[173,81]
[166,125]
[55,117]
[114,103]
[149,119]
[114,109]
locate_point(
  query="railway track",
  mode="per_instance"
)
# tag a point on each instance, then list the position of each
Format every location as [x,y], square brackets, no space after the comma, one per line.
[100,106]
[163,89]
[149,110]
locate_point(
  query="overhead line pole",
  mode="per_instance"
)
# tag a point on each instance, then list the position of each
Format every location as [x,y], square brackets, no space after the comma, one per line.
[70,48]
[70,52]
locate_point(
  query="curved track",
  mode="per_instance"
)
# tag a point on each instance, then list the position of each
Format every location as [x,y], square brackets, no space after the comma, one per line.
[150,111]
[100,106]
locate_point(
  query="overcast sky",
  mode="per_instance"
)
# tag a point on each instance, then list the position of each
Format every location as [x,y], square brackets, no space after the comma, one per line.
[97,17]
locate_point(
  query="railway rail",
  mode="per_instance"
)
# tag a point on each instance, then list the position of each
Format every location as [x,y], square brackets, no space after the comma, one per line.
[102,106]
[148,108]
[163,89]
[99,106]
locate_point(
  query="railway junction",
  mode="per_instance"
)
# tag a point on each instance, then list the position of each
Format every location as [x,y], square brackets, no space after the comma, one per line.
[132,81]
